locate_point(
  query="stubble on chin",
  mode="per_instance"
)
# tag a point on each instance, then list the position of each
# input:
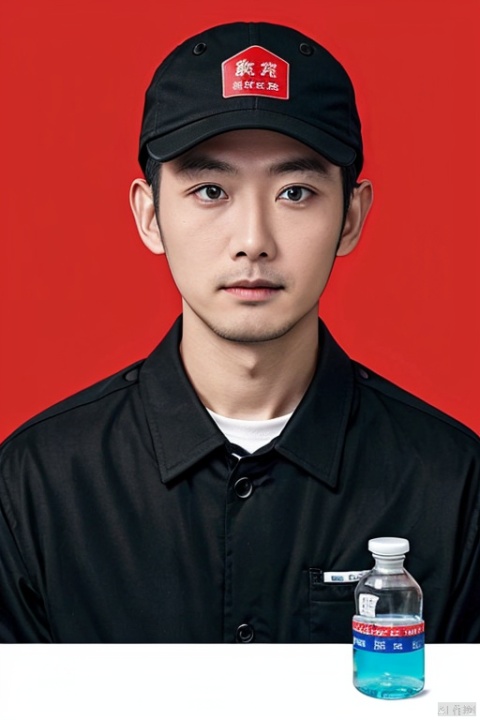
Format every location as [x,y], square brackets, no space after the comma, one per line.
[237,335]
[250,332]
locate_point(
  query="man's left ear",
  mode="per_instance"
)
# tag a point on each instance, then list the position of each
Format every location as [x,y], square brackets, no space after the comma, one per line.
[360,204]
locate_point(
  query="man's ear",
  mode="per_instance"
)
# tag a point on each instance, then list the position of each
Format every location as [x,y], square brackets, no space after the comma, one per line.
[143,208]
[360,204]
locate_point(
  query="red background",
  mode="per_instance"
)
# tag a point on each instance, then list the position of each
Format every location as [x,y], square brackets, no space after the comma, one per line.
[80,295]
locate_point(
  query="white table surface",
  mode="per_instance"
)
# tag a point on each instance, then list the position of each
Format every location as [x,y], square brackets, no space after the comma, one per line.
[179,682]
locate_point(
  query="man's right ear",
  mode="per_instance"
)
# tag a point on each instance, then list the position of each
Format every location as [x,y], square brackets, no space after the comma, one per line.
[143,208]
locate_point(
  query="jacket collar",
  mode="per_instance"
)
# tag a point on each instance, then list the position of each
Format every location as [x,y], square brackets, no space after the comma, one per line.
[183,433]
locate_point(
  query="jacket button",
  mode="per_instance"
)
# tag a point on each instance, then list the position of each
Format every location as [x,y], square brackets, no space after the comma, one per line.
[243,487]
[131,375]
[244,633]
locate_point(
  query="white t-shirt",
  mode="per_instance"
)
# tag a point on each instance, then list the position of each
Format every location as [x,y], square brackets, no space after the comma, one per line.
[250,434]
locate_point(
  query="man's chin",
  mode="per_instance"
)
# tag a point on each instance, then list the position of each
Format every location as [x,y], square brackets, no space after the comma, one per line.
[249,335]
[247,329]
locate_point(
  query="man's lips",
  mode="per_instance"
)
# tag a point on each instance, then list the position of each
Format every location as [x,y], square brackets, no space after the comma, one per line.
[258,289]
[259,283]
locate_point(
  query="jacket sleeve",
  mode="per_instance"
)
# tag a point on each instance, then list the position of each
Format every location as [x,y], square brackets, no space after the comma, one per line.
[22,612]
[463,625]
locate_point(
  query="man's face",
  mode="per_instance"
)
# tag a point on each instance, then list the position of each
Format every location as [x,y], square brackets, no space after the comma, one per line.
[250,222]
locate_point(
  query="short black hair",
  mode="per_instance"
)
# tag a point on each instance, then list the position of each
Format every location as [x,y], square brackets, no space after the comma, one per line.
[349,182]
[152,176]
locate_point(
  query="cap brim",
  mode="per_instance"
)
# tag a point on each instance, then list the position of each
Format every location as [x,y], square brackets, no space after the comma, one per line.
[169,146]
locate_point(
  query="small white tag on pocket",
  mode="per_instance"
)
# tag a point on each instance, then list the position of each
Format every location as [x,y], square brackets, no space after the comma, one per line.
[343,576]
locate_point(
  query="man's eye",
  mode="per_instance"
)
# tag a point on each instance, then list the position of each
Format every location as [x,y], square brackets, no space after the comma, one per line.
[210,192]
[295,193]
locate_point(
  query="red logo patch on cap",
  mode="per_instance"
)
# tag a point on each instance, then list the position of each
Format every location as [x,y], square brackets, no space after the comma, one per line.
[256,71]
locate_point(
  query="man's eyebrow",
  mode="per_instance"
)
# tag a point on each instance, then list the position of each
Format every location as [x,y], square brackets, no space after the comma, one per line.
[196,164]
[302,164]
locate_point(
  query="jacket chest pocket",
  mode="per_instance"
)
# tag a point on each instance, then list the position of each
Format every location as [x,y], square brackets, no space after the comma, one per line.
[332,606]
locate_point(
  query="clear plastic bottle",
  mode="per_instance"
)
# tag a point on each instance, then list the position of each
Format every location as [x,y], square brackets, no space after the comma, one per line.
[388,630]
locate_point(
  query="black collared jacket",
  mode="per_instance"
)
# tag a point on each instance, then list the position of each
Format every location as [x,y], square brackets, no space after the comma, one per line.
[125,516]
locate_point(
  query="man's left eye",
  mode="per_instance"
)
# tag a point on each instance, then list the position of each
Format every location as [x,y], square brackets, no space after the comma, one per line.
[295,193]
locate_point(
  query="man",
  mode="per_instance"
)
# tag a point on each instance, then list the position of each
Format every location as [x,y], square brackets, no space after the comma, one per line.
[225,488]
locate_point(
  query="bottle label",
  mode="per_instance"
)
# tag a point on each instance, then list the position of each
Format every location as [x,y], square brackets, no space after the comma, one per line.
[388,638]
[367,604]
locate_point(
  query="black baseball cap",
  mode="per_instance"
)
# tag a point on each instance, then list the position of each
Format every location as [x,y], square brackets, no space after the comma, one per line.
[251,75]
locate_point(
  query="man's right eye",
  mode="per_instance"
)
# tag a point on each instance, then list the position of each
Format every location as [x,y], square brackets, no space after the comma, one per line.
[209,193]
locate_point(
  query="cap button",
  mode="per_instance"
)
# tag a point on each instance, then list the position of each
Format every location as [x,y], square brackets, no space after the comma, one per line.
[199,48]
[306,49]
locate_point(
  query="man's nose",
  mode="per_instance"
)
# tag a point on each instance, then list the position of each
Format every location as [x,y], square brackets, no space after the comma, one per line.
[253,235]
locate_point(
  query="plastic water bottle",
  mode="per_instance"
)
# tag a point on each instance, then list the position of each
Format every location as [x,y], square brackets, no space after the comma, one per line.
[388,630]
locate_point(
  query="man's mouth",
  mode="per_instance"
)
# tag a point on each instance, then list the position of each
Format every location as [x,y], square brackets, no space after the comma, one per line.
[253,290]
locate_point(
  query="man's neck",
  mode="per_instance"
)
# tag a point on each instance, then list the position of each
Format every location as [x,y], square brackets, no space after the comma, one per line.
[250,381]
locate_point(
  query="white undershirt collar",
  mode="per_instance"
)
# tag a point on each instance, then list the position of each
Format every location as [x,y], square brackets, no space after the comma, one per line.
[250,434]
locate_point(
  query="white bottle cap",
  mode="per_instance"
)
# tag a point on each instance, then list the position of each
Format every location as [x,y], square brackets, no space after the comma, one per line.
[388,546]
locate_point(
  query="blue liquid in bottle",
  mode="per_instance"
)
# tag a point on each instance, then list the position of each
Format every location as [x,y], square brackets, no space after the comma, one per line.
[390,665]
[388,630]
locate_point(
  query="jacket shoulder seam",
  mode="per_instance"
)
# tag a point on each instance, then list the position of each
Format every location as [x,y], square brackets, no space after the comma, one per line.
[77,400]
[369,379]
